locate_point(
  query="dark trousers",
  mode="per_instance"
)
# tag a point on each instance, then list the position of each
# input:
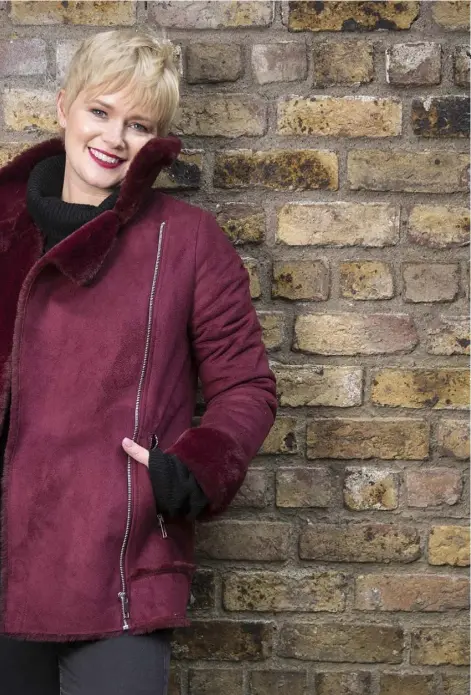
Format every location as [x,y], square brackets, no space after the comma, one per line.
[124,665]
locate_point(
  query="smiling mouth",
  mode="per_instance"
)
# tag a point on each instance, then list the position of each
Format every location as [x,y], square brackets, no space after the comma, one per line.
[107,160]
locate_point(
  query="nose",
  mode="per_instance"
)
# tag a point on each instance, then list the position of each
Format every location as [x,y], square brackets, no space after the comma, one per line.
[113,135]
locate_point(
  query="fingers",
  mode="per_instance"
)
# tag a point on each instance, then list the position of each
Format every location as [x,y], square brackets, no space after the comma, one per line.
[138,453]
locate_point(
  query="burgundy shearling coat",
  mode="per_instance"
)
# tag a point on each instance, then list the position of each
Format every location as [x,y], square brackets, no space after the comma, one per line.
[101,338]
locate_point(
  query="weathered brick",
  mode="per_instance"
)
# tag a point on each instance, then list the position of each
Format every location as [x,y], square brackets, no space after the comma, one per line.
[291,170]
[22,57]
[421,388]
[351,16]
[434,486]
[207,14]
[224,640]
[203,590]
[419,592]
[411,172]
[354,334]
[244,540]
[277,683]
[281,438]
[461,66]
[185,172]
[439,226]
[430,282]
[455,684]
[174,681]
[413,63]
[338,224]
[29,110]
[251,266]
[449,545]
[452,15]
[254,491]
[225,115]
[303,487]
[359,543]
[370,488]
[301,280]
[435,646]
[243,223]
[448,335]
[285,61]
[273,327]
[107,14]
[320,385]
[410,683]
[213,62]
[356,116]
[385,438]
[444,116]
[453,438]
[215,681]
[64,52]
[336,642]
[366,280]
[342,63]
[10,150]
[280,591]
[343,683]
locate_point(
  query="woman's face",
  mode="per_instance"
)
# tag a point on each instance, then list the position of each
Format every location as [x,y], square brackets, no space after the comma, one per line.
[103,134]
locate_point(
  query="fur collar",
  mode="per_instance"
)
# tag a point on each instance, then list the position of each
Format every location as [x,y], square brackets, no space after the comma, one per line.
[81,255]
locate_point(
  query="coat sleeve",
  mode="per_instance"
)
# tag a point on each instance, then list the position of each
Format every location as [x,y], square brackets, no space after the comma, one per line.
[238,386]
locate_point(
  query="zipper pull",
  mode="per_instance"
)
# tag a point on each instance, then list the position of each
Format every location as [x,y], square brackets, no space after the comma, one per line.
[162,525]
[124,603]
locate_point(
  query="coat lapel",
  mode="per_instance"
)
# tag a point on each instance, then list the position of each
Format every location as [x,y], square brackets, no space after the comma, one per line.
[81,255]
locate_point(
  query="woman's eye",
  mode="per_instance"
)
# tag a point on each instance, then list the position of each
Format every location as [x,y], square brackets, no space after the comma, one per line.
[139,127]
[98,112]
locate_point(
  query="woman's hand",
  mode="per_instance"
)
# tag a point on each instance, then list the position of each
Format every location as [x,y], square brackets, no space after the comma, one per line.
[135,451]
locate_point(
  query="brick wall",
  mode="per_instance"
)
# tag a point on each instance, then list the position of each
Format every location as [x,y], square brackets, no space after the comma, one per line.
[330,140]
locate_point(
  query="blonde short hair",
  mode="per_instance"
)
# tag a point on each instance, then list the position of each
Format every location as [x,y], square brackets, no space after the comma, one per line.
[123,58]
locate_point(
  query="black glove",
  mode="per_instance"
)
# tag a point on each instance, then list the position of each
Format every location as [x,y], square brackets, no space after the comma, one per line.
[175,488]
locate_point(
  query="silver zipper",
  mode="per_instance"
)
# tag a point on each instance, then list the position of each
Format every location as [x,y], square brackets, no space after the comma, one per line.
[123,594]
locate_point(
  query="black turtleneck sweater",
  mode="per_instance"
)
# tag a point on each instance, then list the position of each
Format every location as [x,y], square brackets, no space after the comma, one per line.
[176,490]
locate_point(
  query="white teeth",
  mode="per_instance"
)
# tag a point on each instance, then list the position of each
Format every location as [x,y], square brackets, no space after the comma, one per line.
[104,157]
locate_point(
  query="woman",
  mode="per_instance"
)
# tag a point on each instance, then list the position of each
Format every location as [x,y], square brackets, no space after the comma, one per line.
[114,298]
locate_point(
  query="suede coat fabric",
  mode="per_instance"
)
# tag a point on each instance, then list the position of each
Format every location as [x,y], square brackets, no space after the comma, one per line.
[124,313]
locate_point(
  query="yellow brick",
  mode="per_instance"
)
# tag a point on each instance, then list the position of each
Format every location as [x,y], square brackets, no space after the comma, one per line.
[366,280]
[221,115]
[354,334]
[358,438]
[453,438]
[301,280]
[370,488]
[107,14]
[243,223]
[251,266]
[351,16]
[448,335]
[342,63]
[411,172]
[30,110]
[449,545]
[273,327]
[439,226]
[277,169]
[435,646]
[363,116]
[421,388]
[451,15]
[338,224]
[313,385]
[10,150]
[281,438]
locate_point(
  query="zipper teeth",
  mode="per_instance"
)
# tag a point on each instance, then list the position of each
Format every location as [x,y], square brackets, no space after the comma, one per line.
[123,593]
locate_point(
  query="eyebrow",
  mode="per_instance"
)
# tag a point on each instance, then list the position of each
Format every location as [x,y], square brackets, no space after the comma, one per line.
[110,107]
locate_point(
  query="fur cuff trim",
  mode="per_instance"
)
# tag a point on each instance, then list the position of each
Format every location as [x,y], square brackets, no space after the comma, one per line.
[218,463]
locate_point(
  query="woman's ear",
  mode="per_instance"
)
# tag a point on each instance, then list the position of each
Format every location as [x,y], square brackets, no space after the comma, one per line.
[61,114]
